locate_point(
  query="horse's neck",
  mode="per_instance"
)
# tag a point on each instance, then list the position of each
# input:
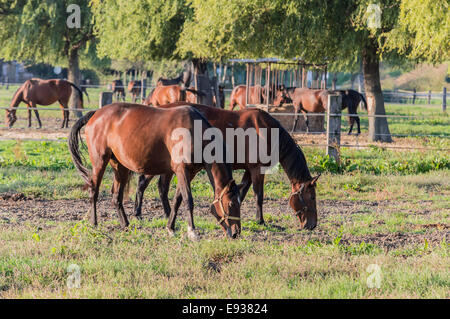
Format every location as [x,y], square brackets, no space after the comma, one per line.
[293,160]
[221,175]
[18,96]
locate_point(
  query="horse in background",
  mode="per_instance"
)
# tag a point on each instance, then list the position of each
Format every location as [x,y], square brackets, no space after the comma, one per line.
[170,94]
[304,100]
[118,90]
[184,78]
[257,96]
[83,86]
[43,92]
[350,101]
[221,96]
[135,88]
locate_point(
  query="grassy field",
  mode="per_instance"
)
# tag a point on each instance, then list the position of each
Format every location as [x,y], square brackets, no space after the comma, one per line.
[384,218]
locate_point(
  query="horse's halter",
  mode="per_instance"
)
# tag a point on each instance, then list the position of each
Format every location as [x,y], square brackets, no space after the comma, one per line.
[225,217]
[301,199]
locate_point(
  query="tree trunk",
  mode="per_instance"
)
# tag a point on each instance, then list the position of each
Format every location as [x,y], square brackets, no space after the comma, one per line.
[333,81]
[378,126]
[74,77]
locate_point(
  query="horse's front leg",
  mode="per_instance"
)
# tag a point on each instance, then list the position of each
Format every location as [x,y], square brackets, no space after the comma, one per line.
[37,115]
[29,116]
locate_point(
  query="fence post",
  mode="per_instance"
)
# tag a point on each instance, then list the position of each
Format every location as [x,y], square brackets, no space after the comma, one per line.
[414,96]
[334,126]
[105,99]
[444,99]
[429,97]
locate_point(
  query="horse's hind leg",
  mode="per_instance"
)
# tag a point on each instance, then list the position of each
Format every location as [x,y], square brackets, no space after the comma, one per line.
[351,120]
[98,169]
[121,175]
[143,182]
[359,125]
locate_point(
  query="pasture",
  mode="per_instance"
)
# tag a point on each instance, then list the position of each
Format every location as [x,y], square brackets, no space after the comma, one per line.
[380,206]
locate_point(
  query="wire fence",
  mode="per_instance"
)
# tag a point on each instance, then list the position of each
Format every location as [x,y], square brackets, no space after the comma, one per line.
[356,138]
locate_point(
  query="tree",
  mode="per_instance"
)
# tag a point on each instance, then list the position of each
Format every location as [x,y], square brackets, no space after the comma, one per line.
[317,31]
[52,31]
[139,30]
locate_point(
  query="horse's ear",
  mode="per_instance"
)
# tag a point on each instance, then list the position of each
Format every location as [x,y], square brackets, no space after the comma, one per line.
[314,180]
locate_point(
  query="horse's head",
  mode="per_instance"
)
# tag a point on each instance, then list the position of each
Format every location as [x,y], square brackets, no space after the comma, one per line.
[227,209]
[303,202]
[10,118]
[281,96]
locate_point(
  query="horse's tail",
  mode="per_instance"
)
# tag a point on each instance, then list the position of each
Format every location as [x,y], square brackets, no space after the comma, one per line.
[80,92]
[364,101]
[74,143]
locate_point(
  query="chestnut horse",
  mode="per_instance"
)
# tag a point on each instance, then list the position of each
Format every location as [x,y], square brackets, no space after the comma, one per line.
[152,149]
[43,92]
[118,90]
[134,87]
[170,94]
[303,195]
[257,96]
[303,100]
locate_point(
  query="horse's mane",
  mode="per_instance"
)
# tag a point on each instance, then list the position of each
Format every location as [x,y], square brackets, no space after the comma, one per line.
[292,158]
[14,101]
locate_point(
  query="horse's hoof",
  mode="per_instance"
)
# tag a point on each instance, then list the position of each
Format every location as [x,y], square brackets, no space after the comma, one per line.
[192,234]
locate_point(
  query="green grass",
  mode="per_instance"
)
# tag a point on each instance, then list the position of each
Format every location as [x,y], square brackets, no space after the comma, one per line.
[379,206]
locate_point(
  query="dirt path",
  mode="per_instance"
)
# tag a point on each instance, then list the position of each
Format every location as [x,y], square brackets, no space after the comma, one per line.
[17,209]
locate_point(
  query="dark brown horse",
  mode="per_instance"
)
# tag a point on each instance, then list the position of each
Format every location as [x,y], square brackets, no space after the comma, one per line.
[351,100]
[43,92]
[303,100]
[152,149]
[118,90]
[222,98]
[135,89]
[303,195]
[170,94]
[256,96]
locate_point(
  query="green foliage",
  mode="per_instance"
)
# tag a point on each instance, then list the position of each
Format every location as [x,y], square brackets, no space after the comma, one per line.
[422,30]
[37,31]
[138,29]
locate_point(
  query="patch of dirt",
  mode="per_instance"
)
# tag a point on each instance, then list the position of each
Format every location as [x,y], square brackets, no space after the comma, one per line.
[16,209]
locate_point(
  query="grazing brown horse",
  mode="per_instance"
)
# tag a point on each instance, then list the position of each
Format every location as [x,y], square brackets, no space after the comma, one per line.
[170,94]
[303,195]
[303,100]
[134,87]
[43,92]
[152,149]
[257,96]
[118,90]
[351,100]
